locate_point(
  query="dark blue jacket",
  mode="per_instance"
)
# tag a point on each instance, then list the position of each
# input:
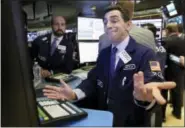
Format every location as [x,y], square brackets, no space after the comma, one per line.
[59,61]
[111,93]
[161,55]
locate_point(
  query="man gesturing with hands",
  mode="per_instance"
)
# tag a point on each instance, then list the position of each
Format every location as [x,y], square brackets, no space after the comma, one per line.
[127,78]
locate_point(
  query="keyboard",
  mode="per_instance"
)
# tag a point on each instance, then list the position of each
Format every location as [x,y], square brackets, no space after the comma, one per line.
[52,80]
[66,79]
[52,112]
[70,78]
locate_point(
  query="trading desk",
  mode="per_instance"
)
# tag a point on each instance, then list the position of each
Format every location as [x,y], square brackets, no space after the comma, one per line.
[79,75]
[94,118]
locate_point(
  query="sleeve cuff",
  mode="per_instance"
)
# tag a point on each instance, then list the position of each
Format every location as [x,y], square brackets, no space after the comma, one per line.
[79,94]
[151,105]
[147,107]
[51,71]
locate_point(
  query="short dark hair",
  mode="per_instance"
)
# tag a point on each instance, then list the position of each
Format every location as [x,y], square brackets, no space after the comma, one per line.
[52,18]
[124,12]
[151,27]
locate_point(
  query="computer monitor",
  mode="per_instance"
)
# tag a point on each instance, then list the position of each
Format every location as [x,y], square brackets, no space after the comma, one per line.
[171,9]
[177,19]
[18,102]
[89,28]
[88,52]
[157,22]
[31,36]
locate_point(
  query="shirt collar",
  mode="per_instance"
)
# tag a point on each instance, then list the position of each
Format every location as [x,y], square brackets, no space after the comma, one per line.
[173,34]
[58,38]
[121,46]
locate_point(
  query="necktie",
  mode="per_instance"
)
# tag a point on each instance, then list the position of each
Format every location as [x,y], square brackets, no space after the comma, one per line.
[53,46]
[113,60]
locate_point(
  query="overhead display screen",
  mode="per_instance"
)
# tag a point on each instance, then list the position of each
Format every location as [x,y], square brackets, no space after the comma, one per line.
[156,22]
[90,28]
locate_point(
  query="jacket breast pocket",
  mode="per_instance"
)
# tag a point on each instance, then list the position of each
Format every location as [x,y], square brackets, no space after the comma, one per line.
[126,79]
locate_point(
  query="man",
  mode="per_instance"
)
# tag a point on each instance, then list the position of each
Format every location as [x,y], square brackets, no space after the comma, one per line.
[111,81]
[175,72]
[181,32]
[156,114]
[141,35]
[54,51]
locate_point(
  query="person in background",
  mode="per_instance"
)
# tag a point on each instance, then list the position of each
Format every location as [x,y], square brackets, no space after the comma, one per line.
[141,35]
[160,50]
[181,32]
[54,52]
[156,114]
[175,72]
[124,80]
[182,61]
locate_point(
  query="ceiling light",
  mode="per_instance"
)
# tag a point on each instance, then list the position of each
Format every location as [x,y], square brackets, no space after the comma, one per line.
[93,7]
[138,1]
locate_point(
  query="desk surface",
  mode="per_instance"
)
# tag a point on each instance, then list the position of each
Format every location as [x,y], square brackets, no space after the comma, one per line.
[94,118]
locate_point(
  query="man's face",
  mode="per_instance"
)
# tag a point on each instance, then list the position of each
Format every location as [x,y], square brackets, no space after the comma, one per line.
[115,27]
[58,26]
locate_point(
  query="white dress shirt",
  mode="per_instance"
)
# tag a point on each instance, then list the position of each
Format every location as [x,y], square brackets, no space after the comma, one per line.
[59,39]
[121,47]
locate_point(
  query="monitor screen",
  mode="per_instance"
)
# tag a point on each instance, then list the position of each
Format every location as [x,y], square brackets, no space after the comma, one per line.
[88,51]
[156,22]
[173,13]
[90,28]
[177,20]
[31,36]
[171,9]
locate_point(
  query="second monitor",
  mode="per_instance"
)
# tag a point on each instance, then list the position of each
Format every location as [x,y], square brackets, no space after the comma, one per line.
[88,52]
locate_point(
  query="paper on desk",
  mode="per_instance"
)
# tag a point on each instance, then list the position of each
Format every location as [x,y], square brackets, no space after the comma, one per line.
[62,76]
[82,75]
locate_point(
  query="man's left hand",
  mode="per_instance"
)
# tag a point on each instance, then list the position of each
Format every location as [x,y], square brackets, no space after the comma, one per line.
[150,91]
[182,61]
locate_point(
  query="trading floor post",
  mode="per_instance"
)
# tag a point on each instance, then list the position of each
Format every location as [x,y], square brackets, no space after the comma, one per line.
[18,99]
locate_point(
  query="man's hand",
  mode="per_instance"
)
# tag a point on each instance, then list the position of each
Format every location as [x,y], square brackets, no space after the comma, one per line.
[45,73]
[182,61]
[150,91]
[64,92]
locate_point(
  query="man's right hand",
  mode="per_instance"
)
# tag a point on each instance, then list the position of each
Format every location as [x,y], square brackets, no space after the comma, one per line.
[64,92]
[45,73]
[182,61]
